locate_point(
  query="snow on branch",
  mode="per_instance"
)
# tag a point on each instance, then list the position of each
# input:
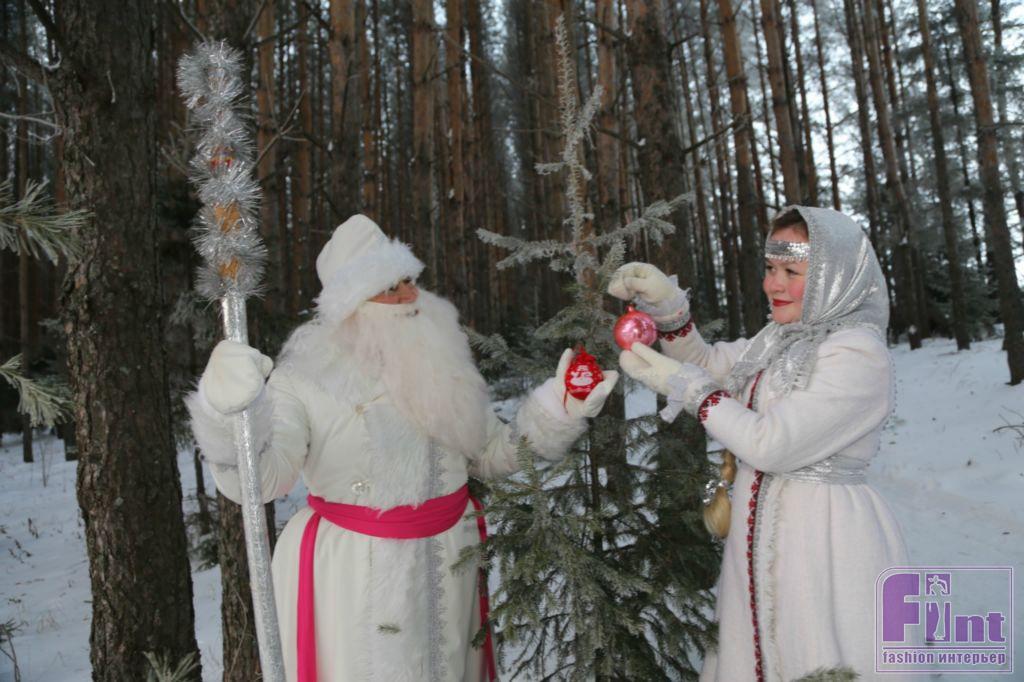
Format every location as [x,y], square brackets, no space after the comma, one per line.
[44,400]
[33,225]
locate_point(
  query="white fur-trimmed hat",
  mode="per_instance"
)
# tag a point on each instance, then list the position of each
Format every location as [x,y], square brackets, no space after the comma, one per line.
[357,263]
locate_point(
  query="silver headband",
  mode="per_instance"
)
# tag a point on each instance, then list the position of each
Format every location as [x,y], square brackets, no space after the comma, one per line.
[776,249]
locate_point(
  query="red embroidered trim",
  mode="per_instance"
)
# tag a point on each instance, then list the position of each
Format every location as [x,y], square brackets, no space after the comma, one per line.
[755,487]
[712,400]
[677,333]
[751,522]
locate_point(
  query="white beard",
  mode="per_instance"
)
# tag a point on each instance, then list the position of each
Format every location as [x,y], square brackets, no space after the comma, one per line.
[423,357]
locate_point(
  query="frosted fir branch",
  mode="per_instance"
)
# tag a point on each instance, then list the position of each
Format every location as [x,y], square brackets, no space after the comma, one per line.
[589,111]
[45,400]
[190,311]
[575,129]
[652,221]
[162,669]
[615,257]
[493,345]
[47,232]
[523,251]
[549,168]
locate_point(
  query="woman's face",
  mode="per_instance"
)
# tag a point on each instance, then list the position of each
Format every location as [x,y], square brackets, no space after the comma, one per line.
[784,281]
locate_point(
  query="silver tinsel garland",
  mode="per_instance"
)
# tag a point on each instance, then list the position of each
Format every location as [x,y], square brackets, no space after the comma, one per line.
[227,234]
[227,237]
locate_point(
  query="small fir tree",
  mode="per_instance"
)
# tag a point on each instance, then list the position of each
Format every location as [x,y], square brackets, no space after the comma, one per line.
[604,562]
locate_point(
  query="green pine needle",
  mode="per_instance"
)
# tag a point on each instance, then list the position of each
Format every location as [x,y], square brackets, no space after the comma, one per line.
[45,400]
[33,225]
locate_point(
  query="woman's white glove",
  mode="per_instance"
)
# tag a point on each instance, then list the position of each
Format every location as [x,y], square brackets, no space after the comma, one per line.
[654,292]
[234,376]
[641,281]
[686,385]
[592,405]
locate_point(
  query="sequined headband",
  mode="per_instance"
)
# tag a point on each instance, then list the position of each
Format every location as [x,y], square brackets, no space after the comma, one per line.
[776,249]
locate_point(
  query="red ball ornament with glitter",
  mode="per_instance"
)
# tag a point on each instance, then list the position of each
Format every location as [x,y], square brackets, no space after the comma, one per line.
[583,375]
[633,326]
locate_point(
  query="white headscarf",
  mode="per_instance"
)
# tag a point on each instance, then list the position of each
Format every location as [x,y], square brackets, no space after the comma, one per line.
[844,288]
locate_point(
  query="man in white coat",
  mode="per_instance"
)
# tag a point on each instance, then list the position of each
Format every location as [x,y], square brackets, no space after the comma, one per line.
[377,403]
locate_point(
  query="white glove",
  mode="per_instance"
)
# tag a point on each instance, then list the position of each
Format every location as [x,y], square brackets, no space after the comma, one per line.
[234,376]
[654,293]
[685,384]
[650,367]
[642,281]
[592,405]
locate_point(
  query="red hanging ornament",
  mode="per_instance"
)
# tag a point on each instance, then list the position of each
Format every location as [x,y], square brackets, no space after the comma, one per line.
[583,375]
[633,326]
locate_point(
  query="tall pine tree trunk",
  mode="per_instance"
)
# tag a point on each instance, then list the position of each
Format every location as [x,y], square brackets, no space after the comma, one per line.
[750,226]
[961,144]
[810,171]
[996,231]
[1009,145]
[423,65]
[302,180]
[274,234]
[823,83]
[128,485]
[872,199]
[780,103]
[949,227]
[885,38]
[726,237]
[455,226]
[765,106]
[609,209]
[727,215]
[371,123]
[344,152]
[911,307]
[703,227]
[660,155]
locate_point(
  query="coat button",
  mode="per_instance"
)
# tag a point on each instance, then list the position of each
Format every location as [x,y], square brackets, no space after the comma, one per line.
[361,487]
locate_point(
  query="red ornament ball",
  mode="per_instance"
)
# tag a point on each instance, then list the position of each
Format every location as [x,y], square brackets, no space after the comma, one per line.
[583,375]
[633,326]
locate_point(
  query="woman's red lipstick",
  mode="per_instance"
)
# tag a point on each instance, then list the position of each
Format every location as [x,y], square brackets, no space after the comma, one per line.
[777,303]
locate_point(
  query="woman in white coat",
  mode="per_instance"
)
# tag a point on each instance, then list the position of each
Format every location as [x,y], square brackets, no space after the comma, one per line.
[378,405]
[801,405]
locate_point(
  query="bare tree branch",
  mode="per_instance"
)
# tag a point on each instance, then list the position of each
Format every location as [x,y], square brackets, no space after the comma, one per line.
[252,23]
[31,119]
[196,33]
[22,62]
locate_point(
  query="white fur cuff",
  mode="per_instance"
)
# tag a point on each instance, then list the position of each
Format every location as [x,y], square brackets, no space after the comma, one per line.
[545,423]
[670,314]
[215,432]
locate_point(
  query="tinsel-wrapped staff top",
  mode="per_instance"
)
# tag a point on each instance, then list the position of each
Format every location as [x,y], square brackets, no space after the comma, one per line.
[227,232]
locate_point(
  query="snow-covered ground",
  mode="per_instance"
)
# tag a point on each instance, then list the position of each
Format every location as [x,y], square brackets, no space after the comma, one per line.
[955,482]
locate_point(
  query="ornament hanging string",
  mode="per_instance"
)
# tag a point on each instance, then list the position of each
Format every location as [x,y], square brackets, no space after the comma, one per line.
[227,237]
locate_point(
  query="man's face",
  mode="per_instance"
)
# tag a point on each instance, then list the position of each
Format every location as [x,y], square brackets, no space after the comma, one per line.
[403,292]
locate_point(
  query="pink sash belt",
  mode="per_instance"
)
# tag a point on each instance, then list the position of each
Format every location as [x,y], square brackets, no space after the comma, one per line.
[406,522]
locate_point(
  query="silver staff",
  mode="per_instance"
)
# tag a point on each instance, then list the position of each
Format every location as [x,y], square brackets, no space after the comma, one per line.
[227,237]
